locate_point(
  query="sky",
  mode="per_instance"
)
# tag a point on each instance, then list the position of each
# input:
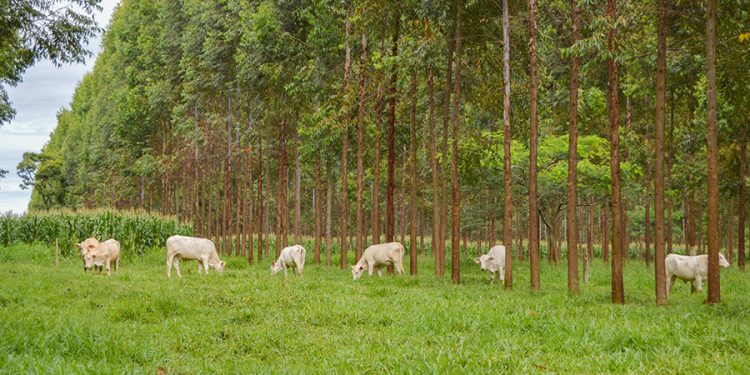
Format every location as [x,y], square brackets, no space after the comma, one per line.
[45,90]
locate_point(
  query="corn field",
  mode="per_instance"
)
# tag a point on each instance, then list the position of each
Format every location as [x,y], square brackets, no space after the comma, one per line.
[136,231]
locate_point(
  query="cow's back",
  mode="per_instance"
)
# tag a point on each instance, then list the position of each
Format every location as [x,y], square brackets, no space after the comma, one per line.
[190,247]
[386,251]
[111,248]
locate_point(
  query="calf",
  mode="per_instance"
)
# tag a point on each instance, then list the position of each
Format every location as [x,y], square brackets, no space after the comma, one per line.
[192,248]
[494,262]
[292,256]
[378,257]
[688,268]
[103,255]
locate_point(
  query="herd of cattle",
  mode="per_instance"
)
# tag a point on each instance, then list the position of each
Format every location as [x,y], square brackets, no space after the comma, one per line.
[100,255]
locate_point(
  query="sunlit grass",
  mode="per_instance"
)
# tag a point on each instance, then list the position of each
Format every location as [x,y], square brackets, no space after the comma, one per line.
[63,321]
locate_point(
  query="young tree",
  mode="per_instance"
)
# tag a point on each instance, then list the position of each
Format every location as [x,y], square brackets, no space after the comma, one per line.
[741,208]
[533,144]
[455,187]
[661,66]
[390,209]
[360,146]
[345,143]
[618,294]
[413,173]
[573,157]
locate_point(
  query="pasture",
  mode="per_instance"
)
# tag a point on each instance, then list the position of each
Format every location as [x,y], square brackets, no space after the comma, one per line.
[136,321]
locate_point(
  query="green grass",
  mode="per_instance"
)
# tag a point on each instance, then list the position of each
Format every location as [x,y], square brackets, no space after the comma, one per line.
[65,321]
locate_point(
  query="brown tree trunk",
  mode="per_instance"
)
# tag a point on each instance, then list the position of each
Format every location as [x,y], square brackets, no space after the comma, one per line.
[413,173]
[435,174]
[318,211]
[261,203]
[730,232]
[533,144]
[670,200]
[360,148]
[647,217]
[389,203]
[618,294]
[714,290]
[447,92]
[402,196]
[345,145]
[249,198]
[741,208]
[661,65]
[455,119]
[691,220]
[507,175]
[281,193]
[573,159]
[297,188]
[329,217]
[376,166]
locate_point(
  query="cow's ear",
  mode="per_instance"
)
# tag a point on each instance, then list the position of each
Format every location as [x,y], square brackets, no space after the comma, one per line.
[477,261]
[223,263]
[490,258]
[361,268]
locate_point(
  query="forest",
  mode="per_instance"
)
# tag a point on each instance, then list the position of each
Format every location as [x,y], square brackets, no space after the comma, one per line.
[564,130]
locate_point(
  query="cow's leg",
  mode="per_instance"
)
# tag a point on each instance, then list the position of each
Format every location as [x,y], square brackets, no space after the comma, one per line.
[204,260]
[169,265]
[380,271]
[117,264]
[108,269]
[670,284]
[300,265]
[177,266]
[370,267]
[698,283]
[200,266]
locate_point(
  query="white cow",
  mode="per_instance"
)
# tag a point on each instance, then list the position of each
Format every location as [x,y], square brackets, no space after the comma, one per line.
[191,248]
[688,268]
[494,262]
[103,255]
[378,257]
[85,246]
[292,256]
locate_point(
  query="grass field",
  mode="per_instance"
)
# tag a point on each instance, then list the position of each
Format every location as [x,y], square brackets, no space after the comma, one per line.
[65,321]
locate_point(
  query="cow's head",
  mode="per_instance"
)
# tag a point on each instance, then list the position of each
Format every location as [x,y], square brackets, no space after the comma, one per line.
[723,261]
[219,267]
[484,261]
[92,259]
[275,267]
[357,271]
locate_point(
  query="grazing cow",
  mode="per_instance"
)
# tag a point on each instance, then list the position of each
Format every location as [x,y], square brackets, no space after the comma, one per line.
[103,255]
[689,268]
[86,246]
[292,256]
[494,262]
[192,248]
[378,257]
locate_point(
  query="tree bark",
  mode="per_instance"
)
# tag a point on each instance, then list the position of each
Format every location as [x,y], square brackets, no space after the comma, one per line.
[455,119]
[618,294]
[318,211]
[389,204]
[435,174]
[413,173]
[447,92]
[360,147]
[741,208]
[297,188]
[647,216]
[670,201]
[376,167]
[402,196]
[281,193]
[533,144]
[507,173]
[714,289]
[261,204]
[329,217]
[573,159]
[661,66]
[345,143]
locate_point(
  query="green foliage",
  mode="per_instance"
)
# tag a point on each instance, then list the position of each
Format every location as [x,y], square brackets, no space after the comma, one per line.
[137,320]
[136,231]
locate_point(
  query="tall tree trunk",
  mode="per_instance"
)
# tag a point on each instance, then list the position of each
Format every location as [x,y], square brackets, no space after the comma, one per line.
[297,188]
[318,211]
[455,117]
[389,204]
[281,193]
[402,196]
[670,200]
[376,166]
[691,219]
[261,203]
[618,293]
[345,145]
[435,174]
[661,66]
[741,208]
[507,173]
[573,158]
[714,290]
[447,92]
[647,216]
[533,143]
[329,217]
[360,147]
[413,173]
[249,214]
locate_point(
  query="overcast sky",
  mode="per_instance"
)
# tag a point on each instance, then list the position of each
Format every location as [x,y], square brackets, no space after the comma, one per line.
[44,91]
